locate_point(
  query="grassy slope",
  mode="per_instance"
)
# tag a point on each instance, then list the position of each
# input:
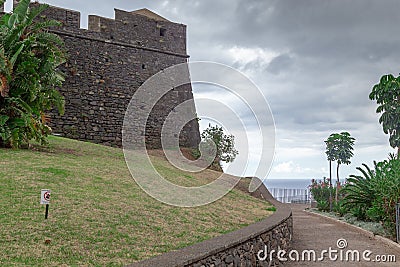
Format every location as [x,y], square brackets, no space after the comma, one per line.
[98,215]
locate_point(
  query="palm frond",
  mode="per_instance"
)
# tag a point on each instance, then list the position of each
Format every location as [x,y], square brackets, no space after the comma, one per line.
[22,10]
[34,12]
[45,24]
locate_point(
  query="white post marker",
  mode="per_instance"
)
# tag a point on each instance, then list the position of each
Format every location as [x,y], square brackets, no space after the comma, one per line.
[45,200]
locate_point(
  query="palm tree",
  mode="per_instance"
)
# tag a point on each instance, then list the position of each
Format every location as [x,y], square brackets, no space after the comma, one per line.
[360,191]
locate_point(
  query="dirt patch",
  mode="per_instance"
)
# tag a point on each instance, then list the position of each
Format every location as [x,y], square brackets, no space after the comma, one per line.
[50,150]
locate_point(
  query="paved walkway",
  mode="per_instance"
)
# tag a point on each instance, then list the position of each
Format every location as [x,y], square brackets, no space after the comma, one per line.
[312,232]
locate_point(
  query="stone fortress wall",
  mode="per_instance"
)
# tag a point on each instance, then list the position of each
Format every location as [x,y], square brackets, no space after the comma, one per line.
[107,64]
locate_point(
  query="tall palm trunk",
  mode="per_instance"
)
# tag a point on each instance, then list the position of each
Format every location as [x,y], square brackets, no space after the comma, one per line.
[337,182]
[330,173]
[330,185]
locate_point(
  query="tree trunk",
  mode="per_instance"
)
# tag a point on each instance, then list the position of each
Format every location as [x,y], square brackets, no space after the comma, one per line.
[337,183]
[330,185]
[337,173]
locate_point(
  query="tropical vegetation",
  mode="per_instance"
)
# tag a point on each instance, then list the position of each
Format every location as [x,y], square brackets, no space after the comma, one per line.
[372,194]
[387,96]
[29,75]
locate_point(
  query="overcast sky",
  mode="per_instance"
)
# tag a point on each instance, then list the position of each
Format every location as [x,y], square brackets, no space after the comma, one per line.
[315,61]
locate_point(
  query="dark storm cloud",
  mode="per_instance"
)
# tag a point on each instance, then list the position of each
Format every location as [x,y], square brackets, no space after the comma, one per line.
[314,27]
[280,63]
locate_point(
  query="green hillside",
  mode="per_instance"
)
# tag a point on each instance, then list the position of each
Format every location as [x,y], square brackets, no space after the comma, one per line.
[98,215]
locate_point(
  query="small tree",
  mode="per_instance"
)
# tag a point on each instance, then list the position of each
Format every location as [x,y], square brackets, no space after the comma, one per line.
[340,149]
[387,96]
[29,57]
[225,144]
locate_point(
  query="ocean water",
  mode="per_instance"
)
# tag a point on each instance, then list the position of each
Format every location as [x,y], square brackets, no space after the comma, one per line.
[289,190]
[288,183]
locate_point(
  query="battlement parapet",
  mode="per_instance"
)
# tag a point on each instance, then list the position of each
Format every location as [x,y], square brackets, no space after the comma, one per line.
[141,28]
[69,18]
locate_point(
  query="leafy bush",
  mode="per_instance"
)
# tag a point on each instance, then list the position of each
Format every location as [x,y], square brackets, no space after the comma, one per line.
[225,144]
[374,194]
[216,147]
[319,190]
[359,212]
[325,195]
[322,193]
[387,186]
[375,214]
[340,208]
[29,57]
[359,192]
[323,205]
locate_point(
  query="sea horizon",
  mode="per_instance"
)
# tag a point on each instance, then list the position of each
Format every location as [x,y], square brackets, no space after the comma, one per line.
[289,183]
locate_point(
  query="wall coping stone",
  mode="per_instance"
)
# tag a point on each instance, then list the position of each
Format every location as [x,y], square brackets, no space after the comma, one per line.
[74,35]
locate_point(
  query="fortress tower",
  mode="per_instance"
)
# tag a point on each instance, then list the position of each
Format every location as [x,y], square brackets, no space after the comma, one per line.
[107,63]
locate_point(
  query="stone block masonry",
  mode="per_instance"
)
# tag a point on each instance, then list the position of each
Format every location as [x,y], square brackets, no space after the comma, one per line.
[107,64]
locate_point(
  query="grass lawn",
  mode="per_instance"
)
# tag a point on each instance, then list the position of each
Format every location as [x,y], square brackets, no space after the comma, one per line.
[98,214]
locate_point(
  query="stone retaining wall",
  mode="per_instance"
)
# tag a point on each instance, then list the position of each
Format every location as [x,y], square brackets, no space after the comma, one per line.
[238,248]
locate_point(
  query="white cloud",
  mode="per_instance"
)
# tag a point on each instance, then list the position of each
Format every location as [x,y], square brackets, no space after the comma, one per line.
[244,55]
[287,167]
[294,169]
[291,167]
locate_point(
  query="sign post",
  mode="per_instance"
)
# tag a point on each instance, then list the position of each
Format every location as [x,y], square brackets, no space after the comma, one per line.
[45,200]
